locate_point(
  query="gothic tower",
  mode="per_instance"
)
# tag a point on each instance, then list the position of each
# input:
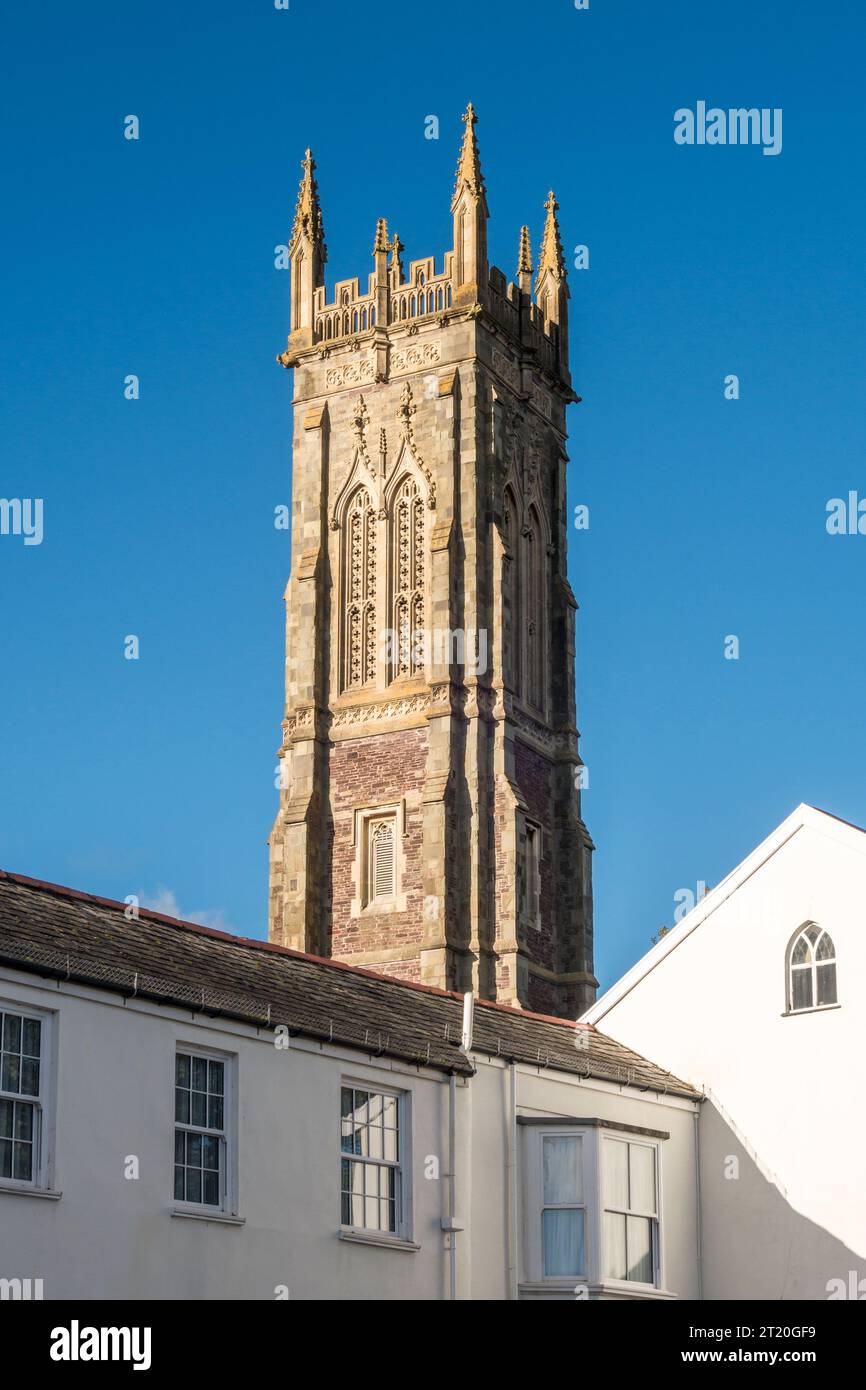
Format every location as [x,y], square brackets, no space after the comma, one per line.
[429,823]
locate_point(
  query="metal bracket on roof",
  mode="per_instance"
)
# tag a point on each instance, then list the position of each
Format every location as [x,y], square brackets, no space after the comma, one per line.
[330,1030]
[269,1016]
[134,985]
[68,969]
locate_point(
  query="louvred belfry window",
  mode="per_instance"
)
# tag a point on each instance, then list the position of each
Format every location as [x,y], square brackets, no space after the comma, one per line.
[382,858]
[408,580]
[359,569]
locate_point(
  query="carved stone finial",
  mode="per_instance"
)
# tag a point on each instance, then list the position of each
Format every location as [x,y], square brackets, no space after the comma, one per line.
[469,162]
[360,425]
[405,424]
[308,213]
[551,257]
[381,240]
[524,259]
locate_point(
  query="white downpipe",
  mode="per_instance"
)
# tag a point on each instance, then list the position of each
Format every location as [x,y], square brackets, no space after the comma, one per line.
[512,1221]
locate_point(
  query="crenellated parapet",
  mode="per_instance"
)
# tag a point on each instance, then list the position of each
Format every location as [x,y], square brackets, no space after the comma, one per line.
[464,286]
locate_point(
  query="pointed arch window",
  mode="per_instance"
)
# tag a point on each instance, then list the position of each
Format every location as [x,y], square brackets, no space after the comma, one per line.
[536,615]
[407,580]
[811,969]
[359,592]
[510,534]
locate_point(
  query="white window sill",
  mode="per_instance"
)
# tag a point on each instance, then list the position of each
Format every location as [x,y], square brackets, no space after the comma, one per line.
[222,1218]
[46,1193]
[815,1009]
[559,1289]
[385,1242]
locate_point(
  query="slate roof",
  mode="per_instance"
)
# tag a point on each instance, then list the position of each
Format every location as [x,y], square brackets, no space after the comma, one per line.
[65,934]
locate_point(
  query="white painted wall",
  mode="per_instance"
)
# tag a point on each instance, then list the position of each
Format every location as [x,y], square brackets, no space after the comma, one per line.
[108,1237]
[708,1003]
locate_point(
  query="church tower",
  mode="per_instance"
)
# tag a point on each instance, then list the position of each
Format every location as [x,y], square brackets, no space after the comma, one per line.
[429,823]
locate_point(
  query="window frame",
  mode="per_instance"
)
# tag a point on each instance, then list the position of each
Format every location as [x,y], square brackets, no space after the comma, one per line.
[228,1204]
[371,826]
[535,1206]
[532,834]
[402,1167]
[811,968]
[364,821]
[636,1141]
[42,1103]
[593,1134]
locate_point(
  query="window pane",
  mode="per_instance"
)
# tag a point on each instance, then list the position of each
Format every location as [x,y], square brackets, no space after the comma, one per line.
[642,1187]
[210,1152]
[801,954]
[390,1145]
[199,1074]
[639,1241]
[827,983]
[562,1169]
[22,1167]
[826,950]
[181,1105]
[193,1184]
[193,1150]
[199,1109]
[215,1112]
[5,1158]
[813,933]
[562,1242]
[346,1105]
[615,1265]
[215,1078]
[31,1037]
[801,989]
[10,1074]
[375,1141]
[11,1033]
[211,1193]
[182,1069]
[615,1173]
[6,1107]
[29,1077]
[178,1184]
[179,1146]
[24,1122]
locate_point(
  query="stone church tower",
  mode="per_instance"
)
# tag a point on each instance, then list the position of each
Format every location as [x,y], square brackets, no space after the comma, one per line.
[429,822]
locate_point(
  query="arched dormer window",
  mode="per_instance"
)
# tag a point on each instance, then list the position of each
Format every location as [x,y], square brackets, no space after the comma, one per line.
[811,969]
[407,579]
[359,591]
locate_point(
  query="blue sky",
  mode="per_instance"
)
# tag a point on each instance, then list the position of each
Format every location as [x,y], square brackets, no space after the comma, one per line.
[707,516]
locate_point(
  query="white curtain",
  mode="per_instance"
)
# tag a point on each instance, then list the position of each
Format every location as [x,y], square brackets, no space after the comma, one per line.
[563,1241]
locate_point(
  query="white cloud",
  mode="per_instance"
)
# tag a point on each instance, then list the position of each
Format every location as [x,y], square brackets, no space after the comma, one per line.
[164,900]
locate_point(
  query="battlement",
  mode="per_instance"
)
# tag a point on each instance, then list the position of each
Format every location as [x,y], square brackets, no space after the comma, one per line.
[536,322]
